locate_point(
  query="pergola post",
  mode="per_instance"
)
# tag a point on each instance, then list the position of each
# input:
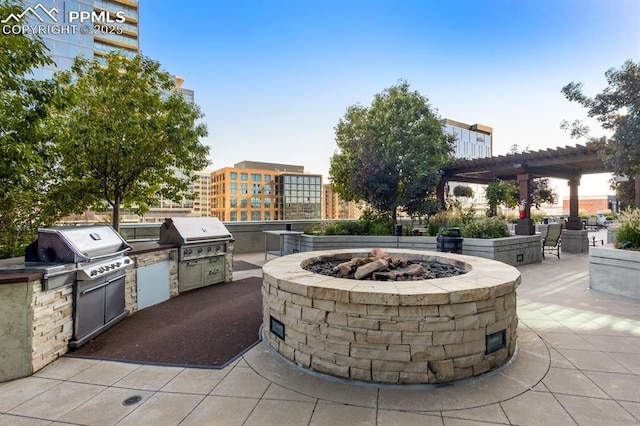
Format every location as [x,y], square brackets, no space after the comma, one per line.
[442,185]
[574,221]
[637,187]
[525,225]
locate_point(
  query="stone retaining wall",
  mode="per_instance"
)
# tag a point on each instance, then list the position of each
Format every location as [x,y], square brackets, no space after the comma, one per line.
[515,250]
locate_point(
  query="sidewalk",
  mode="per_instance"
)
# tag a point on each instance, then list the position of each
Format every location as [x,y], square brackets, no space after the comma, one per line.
[578,362]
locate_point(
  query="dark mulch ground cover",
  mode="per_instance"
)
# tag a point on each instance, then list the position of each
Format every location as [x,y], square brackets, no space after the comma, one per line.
[204,327]
[241,265]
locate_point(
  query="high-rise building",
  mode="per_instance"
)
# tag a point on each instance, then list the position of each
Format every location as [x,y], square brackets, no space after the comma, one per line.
[88,28]
[333,207]
[257,191]
[472,141]
[202,194]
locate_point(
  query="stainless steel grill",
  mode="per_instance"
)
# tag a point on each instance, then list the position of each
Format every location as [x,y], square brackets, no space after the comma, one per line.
[204,246]
[92,258]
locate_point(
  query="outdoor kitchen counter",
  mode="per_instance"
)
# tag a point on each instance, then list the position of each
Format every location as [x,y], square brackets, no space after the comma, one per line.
[149,247]
[138,248]
[17,277]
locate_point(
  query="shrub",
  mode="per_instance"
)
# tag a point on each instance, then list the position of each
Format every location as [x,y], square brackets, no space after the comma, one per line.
[368,224]
[442,220]
[628,231]
[486,227]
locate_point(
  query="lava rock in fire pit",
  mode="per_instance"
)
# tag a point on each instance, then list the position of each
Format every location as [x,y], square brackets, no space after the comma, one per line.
[380,267]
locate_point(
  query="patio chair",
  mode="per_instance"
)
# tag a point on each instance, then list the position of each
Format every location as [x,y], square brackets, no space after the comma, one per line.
[592,223]
[551,240]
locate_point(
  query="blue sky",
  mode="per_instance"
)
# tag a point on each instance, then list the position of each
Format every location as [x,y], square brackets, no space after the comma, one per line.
[273,77]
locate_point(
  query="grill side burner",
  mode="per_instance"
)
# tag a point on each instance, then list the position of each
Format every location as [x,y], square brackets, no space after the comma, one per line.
[204,247]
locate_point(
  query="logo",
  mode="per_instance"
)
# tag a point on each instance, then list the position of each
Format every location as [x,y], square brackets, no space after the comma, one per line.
[34,12]
[83,22]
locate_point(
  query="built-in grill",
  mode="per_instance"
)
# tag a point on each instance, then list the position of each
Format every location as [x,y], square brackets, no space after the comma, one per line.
[92,257]
[204,248]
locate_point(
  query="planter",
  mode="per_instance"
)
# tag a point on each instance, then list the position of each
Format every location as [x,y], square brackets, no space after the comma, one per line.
[614,271]
[516,250]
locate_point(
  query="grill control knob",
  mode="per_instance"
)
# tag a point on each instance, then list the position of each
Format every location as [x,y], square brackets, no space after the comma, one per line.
[209,248]
[200,250]
[93,272]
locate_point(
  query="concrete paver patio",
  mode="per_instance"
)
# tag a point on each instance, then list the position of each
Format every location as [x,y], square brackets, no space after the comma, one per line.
[578,362]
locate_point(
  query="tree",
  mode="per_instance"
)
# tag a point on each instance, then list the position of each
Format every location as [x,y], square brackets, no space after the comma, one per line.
[26,156]
[501,192]
[617,108]
[126,135]
[390,154]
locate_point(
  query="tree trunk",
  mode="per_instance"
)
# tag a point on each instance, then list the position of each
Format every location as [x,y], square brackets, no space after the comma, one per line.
[115,222]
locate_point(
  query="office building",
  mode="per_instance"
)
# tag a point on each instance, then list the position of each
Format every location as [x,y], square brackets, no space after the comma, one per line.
[257,191]
[472,141]
[88,28]
[333,207]
[202,194]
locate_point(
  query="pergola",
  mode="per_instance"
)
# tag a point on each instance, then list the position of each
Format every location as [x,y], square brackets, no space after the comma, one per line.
[569,163]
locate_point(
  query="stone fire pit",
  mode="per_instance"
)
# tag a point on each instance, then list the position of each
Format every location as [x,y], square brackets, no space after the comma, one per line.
[417,331]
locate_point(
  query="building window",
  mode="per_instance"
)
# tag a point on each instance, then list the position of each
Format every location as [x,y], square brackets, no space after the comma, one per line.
[267,215]
[255,215]
[233,188]
[243,176]
[233,175]
[233,216]
[255,188]
[233,201]
[243,216]
[267,189]
[244,188]
[243,203]
[256,177]
[267,203]
[267,178]
[255,203]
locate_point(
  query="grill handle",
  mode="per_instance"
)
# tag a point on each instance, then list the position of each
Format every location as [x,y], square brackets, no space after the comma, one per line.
[99,286]
[102,256]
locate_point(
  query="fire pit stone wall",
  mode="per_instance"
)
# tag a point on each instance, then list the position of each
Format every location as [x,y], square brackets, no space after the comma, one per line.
[400,332]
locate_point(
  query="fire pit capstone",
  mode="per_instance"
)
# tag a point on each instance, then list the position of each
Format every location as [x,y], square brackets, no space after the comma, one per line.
[405,331]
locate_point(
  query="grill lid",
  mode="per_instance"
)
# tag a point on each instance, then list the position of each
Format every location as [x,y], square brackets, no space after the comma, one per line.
[189,230]
[72,244]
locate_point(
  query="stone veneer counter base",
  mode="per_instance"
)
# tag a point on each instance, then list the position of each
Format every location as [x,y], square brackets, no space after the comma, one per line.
[395,332]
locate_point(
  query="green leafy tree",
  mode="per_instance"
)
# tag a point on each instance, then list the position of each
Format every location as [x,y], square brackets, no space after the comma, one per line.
[501,192]
[390,154]
[617,108]
[126,136]
[26,156]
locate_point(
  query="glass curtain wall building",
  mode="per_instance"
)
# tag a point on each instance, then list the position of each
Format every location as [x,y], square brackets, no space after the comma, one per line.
[66,39]
[472,141]
[301,197]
